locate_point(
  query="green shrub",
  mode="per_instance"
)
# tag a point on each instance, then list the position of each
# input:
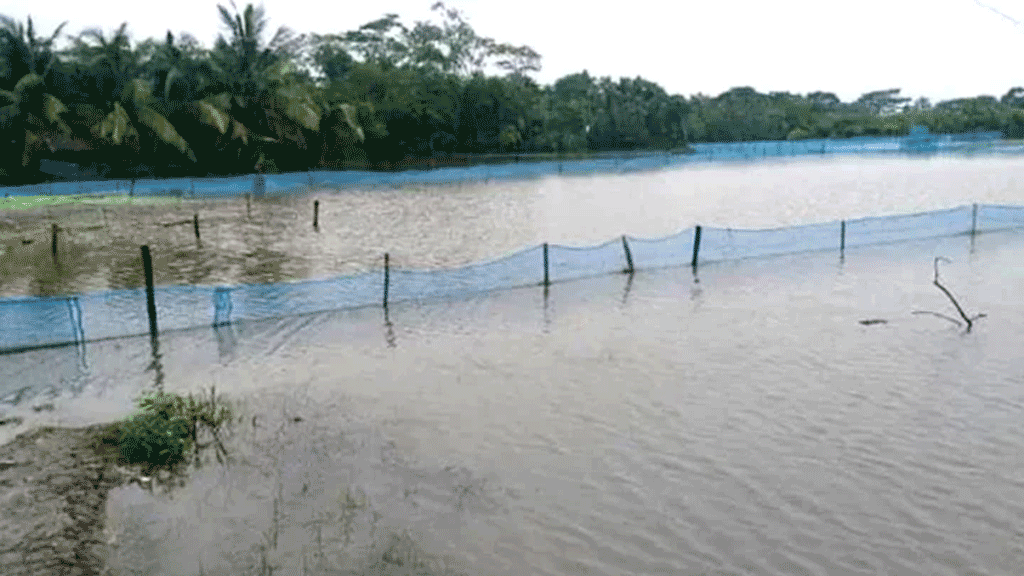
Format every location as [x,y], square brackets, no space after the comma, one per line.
[167,427]
[154,438]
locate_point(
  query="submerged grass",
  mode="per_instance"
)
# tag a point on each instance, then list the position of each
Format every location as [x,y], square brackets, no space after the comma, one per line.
[167,428]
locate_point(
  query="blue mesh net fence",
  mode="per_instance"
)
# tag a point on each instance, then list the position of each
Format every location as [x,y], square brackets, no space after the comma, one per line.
[30,322]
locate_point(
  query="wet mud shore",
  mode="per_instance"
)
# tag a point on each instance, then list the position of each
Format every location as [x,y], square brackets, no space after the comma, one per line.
[53,492]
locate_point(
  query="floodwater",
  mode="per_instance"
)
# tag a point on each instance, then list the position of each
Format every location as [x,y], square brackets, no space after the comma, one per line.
[273,239]
[736,421]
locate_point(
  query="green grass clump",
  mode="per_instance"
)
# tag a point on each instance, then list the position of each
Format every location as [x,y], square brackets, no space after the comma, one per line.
[166,429]
[155,439]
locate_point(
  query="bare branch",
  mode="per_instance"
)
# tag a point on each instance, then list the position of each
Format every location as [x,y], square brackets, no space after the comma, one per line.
[963,314]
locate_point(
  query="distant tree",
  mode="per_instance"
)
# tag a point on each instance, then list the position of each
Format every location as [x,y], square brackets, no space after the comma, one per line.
[881,102]
[1014,98]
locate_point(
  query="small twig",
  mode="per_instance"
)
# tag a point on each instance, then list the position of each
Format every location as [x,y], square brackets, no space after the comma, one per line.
[953,320]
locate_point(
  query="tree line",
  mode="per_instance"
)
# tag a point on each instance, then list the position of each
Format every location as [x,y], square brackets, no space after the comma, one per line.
[376,96]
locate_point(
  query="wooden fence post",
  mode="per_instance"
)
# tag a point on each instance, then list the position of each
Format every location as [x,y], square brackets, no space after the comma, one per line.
[386,280]
[195,224]
[546,279]
[842,237]
[147,266]
[974,220]
[316,213]
[629,257]
[696,246]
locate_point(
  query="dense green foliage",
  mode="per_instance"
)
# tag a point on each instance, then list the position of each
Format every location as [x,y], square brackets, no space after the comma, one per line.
[167,427]
[376,96]
[154,438]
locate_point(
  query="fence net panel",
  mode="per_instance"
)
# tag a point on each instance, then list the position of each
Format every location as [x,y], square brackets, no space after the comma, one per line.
[886,229]
[35,322]
[261,301]
[566,263]
[115,313]
[675,250]
[992,218]
[728,244]
[525,268]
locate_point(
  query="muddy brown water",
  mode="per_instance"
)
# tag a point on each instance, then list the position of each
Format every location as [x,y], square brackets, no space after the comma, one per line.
[742,422]
[272,239]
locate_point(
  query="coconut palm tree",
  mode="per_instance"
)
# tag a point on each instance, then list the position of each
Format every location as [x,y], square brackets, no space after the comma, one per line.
[29,113]
[133,114]
[268,96]
[22,52]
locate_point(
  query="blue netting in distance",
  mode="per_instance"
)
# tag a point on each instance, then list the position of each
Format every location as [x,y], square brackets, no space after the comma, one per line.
[31,322]
[162,187]
[886,229]
[999,218]
[260,301]
[290,182]
[232,186]
[728,244]
[30,190]
[524,268]
[565,263]
[675,250]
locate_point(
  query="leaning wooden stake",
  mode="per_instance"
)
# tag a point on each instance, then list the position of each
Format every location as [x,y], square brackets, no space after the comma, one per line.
[629,257]
[967,319]
[195,224]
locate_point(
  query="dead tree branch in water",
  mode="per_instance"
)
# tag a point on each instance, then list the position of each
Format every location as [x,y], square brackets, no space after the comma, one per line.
[967,319]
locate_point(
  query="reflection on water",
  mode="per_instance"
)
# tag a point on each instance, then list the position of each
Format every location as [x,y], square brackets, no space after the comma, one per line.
[448,226]
[741,421]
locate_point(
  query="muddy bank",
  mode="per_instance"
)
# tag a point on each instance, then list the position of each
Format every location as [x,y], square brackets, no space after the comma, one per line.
[53,492]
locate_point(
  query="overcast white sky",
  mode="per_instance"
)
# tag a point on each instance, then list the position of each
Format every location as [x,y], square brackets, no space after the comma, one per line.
[939,49]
